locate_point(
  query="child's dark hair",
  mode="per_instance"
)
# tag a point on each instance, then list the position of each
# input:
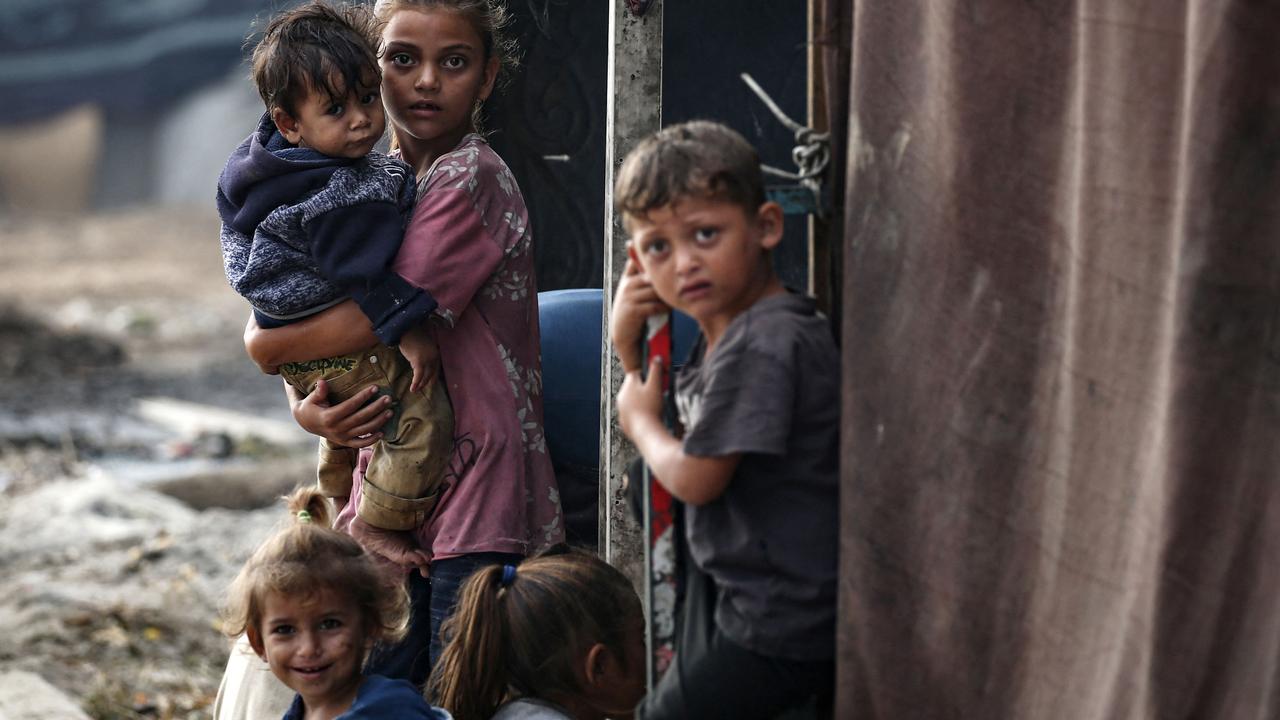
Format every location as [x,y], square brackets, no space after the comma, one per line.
[316,47]
[308,556]
[489,18]
[522,636]
[698,158]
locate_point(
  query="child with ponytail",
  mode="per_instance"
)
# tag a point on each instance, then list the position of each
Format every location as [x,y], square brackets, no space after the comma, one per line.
[558,637]
[312,603]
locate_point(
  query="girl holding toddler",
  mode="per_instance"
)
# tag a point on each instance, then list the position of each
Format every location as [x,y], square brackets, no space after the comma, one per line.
[469,244]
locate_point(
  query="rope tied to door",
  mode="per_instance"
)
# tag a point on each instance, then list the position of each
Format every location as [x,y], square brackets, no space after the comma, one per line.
[811,153]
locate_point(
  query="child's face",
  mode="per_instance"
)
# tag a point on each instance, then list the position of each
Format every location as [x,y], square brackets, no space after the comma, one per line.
[707,258]
[314,644]
[347,128]
[433,73]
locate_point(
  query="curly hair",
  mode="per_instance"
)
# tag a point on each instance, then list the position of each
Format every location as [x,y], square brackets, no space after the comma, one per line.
[307,556]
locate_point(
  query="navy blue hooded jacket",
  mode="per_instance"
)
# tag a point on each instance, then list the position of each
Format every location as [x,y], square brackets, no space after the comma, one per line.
[303,231]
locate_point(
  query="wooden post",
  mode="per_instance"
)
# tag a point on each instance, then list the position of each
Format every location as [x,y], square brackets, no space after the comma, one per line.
[633,111]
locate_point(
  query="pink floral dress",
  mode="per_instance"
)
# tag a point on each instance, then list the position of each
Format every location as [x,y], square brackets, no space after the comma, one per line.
[470,245]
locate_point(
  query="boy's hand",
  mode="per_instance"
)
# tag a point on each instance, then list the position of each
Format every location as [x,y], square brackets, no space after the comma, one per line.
[634,301]
[352,422]
[640,401]
[692,479]
[420,349]
[395,546]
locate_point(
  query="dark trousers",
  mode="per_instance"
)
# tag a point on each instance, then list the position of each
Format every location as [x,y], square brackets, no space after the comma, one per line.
[714,677]
[433,601]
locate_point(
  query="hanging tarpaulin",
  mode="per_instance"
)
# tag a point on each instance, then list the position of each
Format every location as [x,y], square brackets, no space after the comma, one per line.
[129,56]
[1061,441]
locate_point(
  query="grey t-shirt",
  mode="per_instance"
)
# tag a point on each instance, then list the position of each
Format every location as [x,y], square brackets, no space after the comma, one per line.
[770,390]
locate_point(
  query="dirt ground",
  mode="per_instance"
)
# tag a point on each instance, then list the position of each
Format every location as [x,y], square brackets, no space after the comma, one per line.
[149,282]
[118,531]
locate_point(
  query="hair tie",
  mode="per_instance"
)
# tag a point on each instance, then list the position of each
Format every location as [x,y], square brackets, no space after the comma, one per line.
[304,517]
[508,574]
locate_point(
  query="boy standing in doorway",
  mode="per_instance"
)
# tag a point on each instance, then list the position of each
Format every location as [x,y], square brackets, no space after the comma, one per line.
[759,404]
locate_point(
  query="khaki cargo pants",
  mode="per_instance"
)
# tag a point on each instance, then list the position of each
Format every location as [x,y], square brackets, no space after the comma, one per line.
[406,473]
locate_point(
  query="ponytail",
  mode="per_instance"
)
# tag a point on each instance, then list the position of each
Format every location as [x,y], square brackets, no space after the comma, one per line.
[308,506]
[470,677]
[522,632]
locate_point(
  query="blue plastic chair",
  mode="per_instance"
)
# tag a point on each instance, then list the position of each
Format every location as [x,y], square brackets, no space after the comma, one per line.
[571,323]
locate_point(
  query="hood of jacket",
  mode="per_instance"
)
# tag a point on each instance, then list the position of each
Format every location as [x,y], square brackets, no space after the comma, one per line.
[266,172]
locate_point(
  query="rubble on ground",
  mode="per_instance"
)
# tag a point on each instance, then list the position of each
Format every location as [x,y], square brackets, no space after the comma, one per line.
[120,526]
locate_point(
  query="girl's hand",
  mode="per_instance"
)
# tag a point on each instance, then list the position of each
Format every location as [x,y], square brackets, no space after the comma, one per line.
[395,546]
[640,401]
[251,334]
[340,330]
[353,422]
[633,303]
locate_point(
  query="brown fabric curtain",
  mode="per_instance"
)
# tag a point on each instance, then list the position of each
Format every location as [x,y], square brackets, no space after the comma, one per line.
[1061,332]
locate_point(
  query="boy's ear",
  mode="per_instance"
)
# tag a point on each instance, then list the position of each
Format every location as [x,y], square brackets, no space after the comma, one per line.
[287,125]
[490,78]
[769,220]
[255,642]
[594,665]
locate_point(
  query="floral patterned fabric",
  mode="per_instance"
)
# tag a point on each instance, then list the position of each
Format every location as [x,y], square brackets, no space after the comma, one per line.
[469,244]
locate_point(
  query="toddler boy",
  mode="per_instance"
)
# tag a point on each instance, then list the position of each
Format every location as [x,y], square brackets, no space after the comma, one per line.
[311,216]
[758,400]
